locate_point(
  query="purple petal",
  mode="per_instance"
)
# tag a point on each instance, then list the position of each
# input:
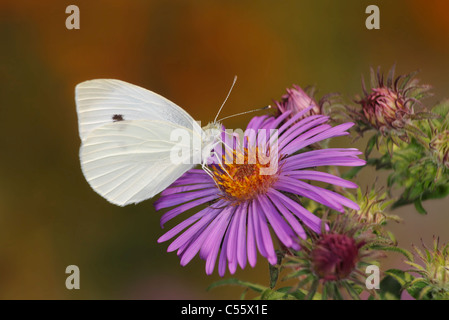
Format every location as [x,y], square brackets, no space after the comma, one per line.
[180,189]
[181,226]
[289,145]
[222,262]
[256,122]
[321,176]
[274,124]
[213,236]
[279,226]
[192,178]
[295,118]
[330,195]
[184,207]
[336,131]
[214,241]
[300,123]
[189,233]
[348,162]
[301,188]
[191,240]
[176,199]
[327,153]
[299,128]
[323,157]
[195,246]
[231,245]
[292,220]
[241,236]
[251,240]
[265,234]
[232,242]
[257,230]
[309,219]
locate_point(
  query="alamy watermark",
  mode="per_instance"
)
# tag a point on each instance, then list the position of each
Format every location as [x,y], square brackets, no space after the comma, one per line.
[373,280]
[226,147]
[73,20]
[373,20]
[73,280]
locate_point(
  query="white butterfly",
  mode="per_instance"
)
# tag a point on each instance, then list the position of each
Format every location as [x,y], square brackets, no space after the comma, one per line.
[126,141]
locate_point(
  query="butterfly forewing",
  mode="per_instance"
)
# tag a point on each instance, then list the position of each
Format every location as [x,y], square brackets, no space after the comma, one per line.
[104,101]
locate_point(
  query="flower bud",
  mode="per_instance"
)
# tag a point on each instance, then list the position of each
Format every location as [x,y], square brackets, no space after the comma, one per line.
[389,106]
[434,270]
[384,107]
[296,100]
[440,147]
[335,256]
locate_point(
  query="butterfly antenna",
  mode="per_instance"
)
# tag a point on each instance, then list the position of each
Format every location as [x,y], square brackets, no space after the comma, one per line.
[238,114]
[232,86]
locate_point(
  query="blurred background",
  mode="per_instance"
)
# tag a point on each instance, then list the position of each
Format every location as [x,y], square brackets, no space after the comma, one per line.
[189,52]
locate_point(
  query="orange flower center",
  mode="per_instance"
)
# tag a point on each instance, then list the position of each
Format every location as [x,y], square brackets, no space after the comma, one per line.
[242,181]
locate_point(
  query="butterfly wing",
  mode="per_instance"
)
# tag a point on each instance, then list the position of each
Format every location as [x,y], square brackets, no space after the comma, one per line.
[130,161]
[103,101]
[125,133]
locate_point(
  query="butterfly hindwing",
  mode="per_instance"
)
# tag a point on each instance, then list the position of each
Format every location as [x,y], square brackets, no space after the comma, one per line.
[130,161]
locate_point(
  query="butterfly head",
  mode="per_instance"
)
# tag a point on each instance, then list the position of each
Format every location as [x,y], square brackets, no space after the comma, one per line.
[210,138]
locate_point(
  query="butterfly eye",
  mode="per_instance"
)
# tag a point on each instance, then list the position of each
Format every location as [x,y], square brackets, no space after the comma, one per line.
[117,117]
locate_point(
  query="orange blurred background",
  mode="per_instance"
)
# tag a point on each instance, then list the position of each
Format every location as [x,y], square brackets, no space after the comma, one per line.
[189,52]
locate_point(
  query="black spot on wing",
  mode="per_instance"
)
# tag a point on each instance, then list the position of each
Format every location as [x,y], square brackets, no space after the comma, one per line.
[117,117]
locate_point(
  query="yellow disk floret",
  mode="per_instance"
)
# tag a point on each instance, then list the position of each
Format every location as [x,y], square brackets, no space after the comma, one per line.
[240,180]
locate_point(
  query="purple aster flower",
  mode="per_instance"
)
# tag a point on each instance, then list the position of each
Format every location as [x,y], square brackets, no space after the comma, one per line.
[243,204]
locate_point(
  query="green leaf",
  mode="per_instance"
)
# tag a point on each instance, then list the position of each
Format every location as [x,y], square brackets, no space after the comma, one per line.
[380,163]
[324,292]
[416,290]
[400,276]
[442,109]
[243,295]
[370,145]
[233,281]
[296,274]
[392,237]
[407,78]
[281,294]
[274,275]
[416,265]
[267,294]
[298,294]
[425,293]
[390,288]
[439,192]
[402,251]
[424,115]
[402,201]
[304,281]
[390,77]
[396,140]
[419,207]
[274,270]
[351,173]
[335,291]
[350,289]
[312,290]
